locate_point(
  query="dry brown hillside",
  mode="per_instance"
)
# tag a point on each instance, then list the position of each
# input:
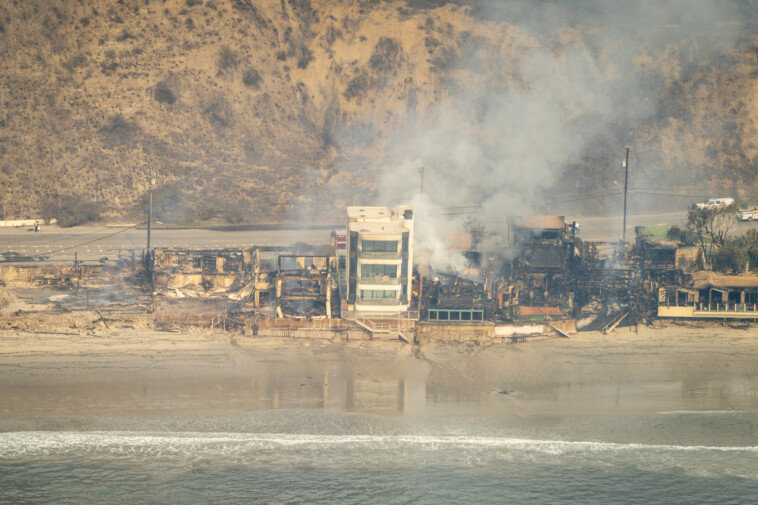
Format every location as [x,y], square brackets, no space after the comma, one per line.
[255,109]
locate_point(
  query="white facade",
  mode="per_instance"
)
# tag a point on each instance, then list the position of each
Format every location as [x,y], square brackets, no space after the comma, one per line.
[379,258]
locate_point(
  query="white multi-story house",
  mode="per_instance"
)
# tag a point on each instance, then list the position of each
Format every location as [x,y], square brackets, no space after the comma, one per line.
[379,259]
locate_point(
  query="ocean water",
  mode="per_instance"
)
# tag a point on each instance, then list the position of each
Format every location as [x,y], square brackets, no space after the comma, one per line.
[293,456]
[561,422]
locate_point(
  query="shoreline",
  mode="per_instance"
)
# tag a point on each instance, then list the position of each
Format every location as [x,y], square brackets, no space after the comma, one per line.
[64,366]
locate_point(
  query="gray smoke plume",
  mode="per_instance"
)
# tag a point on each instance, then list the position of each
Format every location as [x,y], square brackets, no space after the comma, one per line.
[598,66]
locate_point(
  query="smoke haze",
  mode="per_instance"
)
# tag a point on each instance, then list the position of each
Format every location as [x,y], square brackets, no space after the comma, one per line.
[593,69]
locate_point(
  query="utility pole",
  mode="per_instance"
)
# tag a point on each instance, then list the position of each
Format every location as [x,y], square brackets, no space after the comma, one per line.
[149,211]
[626,187]
[421,171]
[76,270]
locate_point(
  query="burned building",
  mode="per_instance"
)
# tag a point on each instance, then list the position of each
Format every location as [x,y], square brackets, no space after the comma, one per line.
[711,295]
[604,280]
[245,276]
[304,286]
[542,258]
[451,298]
[261,282]
[544,244]
[200,270]
[659,256]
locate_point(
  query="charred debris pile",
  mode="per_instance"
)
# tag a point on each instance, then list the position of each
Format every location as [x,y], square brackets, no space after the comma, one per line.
[545,274]
[254,284]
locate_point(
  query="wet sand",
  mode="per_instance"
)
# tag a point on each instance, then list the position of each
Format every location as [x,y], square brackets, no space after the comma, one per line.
[673,383]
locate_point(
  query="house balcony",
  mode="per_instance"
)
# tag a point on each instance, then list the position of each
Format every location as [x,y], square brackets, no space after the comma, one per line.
[385,302]
[384,280]
[380,255]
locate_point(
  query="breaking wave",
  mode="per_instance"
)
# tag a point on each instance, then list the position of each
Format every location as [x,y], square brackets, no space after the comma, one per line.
[27,443]
[335,451]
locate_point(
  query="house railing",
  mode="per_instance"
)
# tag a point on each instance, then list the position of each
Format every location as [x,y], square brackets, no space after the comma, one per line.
[736,307]
[379,280]
[378,301]
[393,255]
[406,315]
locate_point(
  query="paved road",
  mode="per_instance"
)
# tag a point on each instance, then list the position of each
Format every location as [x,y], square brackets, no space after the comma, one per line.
[94,242]
[608,228]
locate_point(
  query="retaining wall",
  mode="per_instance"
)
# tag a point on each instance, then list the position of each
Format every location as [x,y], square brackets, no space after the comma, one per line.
[480,333]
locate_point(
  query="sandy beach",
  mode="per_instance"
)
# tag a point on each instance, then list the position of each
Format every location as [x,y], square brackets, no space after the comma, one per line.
[660,415]
[59,370]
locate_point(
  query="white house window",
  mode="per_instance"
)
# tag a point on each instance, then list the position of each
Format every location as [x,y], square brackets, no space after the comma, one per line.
[368,270]
[378,294]
[379,245]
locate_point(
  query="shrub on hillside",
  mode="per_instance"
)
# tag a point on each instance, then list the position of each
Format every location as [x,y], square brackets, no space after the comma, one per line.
[234,215]
[357,86]
[163,93]
[251,78]
[227,58]
[207,213]
[69,210]
[304,58]
[387,54]
[76,61]
[219,112]
[118,130]
[125,35]
[109,64]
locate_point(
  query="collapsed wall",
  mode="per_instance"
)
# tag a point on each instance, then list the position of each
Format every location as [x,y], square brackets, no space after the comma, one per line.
[59,275]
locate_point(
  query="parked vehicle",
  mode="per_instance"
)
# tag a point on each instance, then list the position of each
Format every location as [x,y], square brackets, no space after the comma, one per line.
[748,215]
[716,203]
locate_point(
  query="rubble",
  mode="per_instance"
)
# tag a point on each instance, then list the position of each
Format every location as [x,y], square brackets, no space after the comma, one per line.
[546,280]
[304,286]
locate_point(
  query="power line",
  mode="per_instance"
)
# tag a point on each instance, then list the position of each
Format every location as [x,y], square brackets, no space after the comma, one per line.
[467,209]
[457,211]
[677,188]
[670,194]
[587,197]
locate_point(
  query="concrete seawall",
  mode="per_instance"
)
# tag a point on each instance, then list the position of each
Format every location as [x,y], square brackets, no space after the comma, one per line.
[319,329]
